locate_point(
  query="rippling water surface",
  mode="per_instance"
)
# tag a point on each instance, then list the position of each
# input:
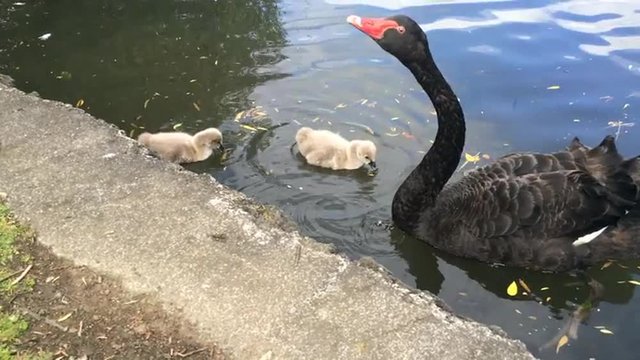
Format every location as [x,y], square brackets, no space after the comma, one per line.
[530,75]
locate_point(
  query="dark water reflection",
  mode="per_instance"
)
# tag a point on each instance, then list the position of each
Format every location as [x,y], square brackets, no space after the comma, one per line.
[530,75]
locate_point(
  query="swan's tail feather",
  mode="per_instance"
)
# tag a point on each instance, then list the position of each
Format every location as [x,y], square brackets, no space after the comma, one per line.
[577,145]
[619,242]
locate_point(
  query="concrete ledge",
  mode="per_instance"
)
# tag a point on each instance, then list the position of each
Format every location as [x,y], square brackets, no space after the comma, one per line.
[239,270]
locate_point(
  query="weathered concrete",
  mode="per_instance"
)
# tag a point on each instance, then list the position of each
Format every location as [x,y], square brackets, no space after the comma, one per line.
[237,269]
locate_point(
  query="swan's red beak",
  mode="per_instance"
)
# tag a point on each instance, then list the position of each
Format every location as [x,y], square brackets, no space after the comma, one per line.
[374,27]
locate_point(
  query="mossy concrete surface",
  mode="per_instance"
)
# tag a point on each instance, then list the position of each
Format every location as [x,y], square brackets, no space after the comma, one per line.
[249,282]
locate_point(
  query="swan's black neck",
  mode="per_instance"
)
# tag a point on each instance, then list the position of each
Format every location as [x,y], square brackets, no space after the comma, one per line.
[418,192]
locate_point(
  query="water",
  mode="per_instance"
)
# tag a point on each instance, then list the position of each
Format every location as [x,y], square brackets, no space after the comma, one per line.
[531,75]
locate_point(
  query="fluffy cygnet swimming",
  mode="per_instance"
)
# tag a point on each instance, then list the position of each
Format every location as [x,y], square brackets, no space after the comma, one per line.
[329,150]
[181,147]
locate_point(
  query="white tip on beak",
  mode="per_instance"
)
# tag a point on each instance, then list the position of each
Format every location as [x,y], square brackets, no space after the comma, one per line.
[354,20]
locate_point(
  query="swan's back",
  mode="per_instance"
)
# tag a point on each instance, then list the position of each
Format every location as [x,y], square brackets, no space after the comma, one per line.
[171,146]
[313,140]
[527,209]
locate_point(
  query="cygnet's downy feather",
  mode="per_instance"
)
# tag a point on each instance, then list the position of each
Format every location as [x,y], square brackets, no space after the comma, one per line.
[181,147]
[329,150]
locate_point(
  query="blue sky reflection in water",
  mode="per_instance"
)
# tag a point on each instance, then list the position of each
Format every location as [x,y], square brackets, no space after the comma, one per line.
[530,75]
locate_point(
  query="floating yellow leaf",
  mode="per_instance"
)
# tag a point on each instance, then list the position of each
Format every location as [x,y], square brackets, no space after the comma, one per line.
[553,87]
[548,299]
[340,106]
[80,103]
[634,282]
[512,290]
[177,126]
[248,127]
[606,331]
[562,342]
[262,128]
[196,106]
[146,102]
[524,285]
[606,265]
[544,288]
[472,158]
[238,116]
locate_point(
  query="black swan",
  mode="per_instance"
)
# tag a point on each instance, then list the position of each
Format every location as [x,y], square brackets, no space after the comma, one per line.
[524,210]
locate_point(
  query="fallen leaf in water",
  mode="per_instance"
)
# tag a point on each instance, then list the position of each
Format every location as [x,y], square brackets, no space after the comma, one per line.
[606,265]
[251,128]
[562,342]
[364,101]
[524,285]
[340,106]
[64,75]
[486,156]
[634,282]
[625,106]
[225,155]
[408,135]
[196,106]
[512,290]
[548,299]
[79,103]
[394,118]
[176,126]
[146,102]
[238,116]
[553,87]
[192,80]
[363,126]
[606,331]
[544,288]
[472,158]
[44,36]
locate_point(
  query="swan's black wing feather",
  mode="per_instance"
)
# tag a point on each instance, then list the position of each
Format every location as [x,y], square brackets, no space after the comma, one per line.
[545,205]
[529,220]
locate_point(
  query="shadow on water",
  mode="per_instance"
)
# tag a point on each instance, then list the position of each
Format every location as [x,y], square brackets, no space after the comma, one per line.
[149,64]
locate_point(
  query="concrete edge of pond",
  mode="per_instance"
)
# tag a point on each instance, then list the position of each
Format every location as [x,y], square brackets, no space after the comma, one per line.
[240,271]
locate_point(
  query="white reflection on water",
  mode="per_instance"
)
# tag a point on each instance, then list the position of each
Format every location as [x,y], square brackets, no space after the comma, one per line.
[401,4]
[619,14]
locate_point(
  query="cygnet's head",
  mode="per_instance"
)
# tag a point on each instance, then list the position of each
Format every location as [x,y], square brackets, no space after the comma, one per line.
[210,138]
[366,152]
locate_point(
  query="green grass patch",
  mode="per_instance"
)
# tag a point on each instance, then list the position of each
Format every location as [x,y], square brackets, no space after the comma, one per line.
[10,259]
[12,326]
